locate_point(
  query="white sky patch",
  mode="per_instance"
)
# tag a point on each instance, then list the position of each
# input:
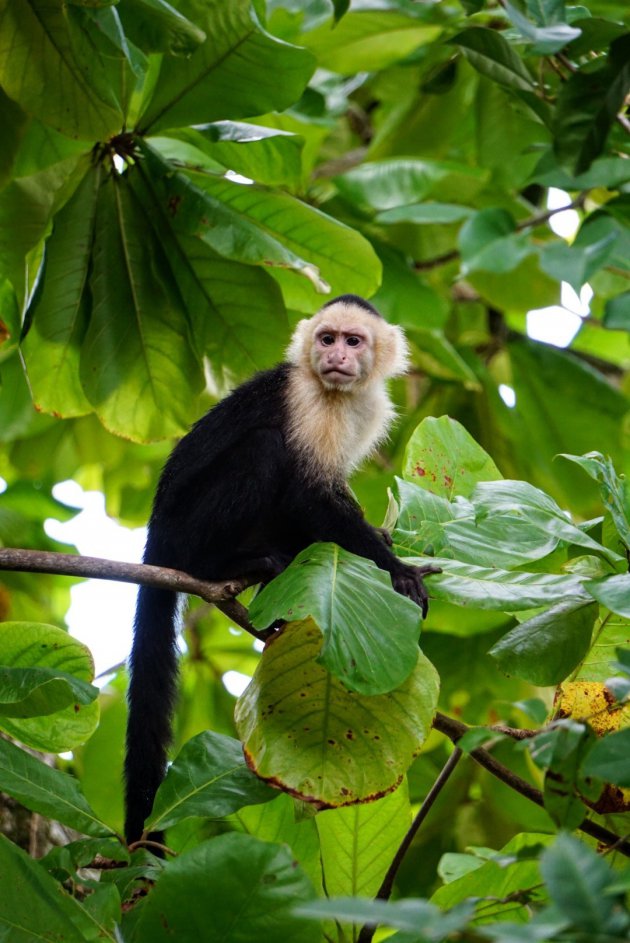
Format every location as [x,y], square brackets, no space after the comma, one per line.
[3,485]
[507,394]
[554,325]
[237,178]
[235,682]
[101,612]
[564,224]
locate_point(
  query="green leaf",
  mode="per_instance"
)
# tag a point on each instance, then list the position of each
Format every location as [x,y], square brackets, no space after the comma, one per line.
[308,734]
[613,489]
[371,36]
[521,498]
[260,227]
[503,590]
[138,368]
[489,53]
[612,592]
[208,777]
[577,878]
[232,74]
[402,181]
[358,843]
[425,213]
[253,887]
[588,103]
[53,73]
[267,155]
[46,790]
[608,759]
[576,263]
[156,26]
[617,313]
[413,917]
[35,692]
[58,312]
[489,242]
[545,649]
[28,646]
[546,39]
[370,631]
[35,907]
[443,457]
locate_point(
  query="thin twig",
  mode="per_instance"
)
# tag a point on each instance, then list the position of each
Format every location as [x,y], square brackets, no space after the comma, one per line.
[66,564]
[455,730]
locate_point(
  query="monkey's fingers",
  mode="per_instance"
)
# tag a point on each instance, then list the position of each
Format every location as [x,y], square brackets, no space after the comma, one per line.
[385,536]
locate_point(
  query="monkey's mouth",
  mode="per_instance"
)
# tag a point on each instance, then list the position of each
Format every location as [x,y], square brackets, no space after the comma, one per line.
[340,376]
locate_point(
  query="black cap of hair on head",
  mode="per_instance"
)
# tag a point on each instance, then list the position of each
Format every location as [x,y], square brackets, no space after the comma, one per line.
[354,300]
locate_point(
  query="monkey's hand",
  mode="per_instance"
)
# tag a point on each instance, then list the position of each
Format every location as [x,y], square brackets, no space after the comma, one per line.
[385,535]
[407,580]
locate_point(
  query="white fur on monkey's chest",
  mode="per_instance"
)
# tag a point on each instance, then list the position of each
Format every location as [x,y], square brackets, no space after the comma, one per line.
[337,430]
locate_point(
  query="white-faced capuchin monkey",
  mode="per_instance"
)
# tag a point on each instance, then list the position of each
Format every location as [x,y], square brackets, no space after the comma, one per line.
[259,478]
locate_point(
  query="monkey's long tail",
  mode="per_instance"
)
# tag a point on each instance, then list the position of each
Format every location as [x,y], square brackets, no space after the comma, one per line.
[151,697]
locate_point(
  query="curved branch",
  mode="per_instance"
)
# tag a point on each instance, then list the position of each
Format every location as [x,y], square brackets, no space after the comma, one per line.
[67,564]
[455,730]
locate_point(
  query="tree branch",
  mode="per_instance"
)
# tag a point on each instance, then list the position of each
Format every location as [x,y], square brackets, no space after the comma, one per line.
[455,729]
[67,564]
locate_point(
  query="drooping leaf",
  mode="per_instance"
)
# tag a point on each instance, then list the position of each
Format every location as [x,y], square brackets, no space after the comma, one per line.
[308,734]
[442,457]
[58,312]
[491,54]
[46,790]
[409,915]
[370,631]
[545,649]
[138,368]
[613,489]
[209,777]
[53,73]
[547,35]
[233,74]
[27,646]
[489,242]
[253,886]
[617,312]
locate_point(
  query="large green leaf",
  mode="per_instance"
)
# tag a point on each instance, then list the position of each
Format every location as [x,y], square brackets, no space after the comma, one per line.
[307,733]
[138,368]
[58,313]
[370,631]
[358,843]
[233,74]
[267,155]
[612,592]
[546,648]
[245,887]
[503,590]
[236,311]
[208,777]
[492,55]
[53,72]
[443,457]
[489,242]
[613,489]
[46,790]
[383,185]
[34,906]
[156,26]
[372,36]
[28,645]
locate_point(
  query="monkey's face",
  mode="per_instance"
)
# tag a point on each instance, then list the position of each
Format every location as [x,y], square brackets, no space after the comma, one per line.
[342,354]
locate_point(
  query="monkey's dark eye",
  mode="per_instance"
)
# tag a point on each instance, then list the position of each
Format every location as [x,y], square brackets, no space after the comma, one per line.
[353,341]
[327,340]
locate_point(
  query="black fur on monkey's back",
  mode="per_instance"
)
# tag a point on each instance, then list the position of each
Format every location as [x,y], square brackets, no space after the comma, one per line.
[231,501]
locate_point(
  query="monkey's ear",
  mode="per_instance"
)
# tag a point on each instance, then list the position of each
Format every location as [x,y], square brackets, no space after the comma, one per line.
[298,350]
[392,351]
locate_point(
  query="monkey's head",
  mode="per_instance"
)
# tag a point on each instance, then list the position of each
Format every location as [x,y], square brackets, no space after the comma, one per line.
[347,345]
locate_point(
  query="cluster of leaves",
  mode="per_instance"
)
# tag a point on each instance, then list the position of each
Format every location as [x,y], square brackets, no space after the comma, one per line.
[333,717]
